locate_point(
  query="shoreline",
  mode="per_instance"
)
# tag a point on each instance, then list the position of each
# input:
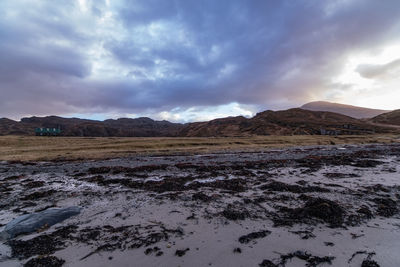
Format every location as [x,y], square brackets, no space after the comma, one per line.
[289,207]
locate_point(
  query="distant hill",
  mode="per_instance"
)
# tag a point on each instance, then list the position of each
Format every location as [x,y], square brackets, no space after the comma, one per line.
[140,127]
[8,126]
[348,110]
[286,122]
[390,118]
[294,121]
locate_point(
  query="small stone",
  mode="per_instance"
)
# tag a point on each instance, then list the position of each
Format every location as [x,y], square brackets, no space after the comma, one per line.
[237,250]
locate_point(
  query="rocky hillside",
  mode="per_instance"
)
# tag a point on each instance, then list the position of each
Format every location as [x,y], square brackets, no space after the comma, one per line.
[349,110]
[141,127]
[8,126]
[287,122]
[390,118]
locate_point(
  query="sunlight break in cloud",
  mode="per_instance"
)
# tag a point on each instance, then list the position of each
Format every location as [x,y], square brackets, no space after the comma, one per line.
[167,58]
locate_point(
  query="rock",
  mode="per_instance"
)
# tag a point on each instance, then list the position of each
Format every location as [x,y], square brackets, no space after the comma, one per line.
[29,223]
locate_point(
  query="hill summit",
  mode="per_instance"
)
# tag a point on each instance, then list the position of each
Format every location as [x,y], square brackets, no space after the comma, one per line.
[348,110]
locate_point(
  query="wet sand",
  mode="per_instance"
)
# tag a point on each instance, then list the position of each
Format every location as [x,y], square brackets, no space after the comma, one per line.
[302,206]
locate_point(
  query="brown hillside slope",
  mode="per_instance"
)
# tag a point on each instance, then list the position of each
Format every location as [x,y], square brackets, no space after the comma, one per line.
[8,126]
[390,118]
[230,126]
[286,122]
[348,110]
[140,127]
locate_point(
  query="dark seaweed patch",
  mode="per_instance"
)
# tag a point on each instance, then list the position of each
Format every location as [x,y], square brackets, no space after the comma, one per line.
[46,261]
[255,235]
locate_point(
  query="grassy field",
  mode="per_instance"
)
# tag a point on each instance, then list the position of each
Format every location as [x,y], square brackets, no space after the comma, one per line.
[32,148]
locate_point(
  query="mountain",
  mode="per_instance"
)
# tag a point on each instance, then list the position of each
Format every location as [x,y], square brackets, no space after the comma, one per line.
[390,118]
[230,126]
[286,122]
[294,121]
[349,110]
[8,126]
[140,127]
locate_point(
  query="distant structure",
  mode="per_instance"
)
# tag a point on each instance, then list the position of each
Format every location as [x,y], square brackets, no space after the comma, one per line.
[47,131]
[346,129]
[329,132]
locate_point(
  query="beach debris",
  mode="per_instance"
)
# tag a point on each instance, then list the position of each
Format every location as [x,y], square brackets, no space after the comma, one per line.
[311,260]
[181,252]
[245,239]
[44,244]
[32,222]
[386,207]
[314,210]
[155,250]
[237,250]
[45,261]
[267,263]
[234,213]
[283,187]
[304,234]
[369,263]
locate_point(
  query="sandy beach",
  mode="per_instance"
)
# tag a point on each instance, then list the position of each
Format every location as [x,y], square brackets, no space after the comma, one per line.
[303,206]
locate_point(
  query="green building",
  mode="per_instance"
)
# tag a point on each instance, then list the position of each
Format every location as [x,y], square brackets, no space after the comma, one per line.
[47,131]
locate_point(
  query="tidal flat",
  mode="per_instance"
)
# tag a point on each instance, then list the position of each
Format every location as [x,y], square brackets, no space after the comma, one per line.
[321,205]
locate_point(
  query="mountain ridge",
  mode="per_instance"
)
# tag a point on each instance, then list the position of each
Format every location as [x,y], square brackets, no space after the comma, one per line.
[295,121]
[349,110]
[122,127]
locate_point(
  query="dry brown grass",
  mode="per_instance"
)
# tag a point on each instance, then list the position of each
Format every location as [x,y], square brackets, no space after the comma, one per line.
[32,148]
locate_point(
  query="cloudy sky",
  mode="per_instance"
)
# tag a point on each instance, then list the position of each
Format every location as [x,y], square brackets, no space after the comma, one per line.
[190,60]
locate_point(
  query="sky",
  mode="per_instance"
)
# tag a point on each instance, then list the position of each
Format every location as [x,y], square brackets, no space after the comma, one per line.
[191,60]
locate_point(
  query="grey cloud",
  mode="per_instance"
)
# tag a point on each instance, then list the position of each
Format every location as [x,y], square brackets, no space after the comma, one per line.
[388,70]
[267,42]
[270,54]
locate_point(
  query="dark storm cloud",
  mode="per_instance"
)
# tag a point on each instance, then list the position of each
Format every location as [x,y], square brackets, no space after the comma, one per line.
[164,54]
